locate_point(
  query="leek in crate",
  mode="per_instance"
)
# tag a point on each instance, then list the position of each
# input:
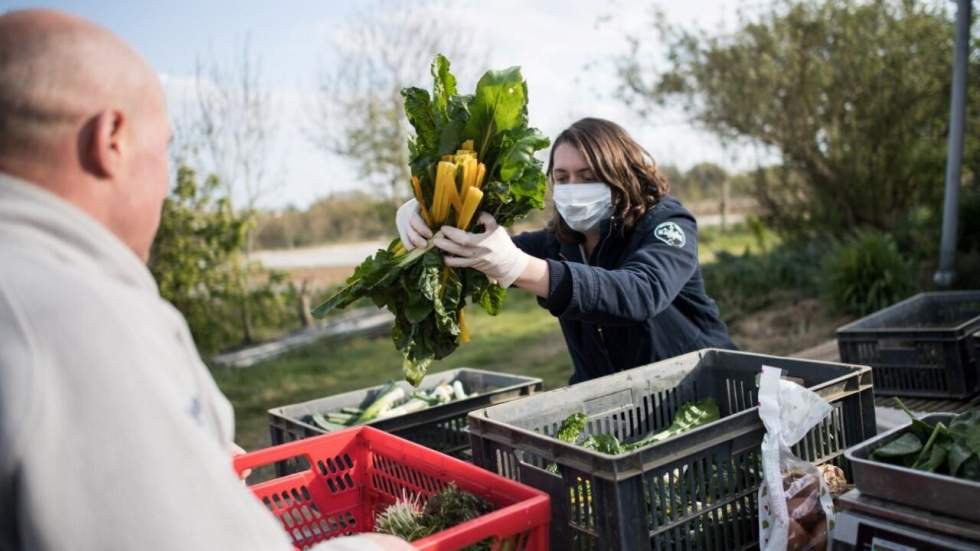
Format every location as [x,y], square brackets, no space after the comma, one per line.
[470,153]
[384,406]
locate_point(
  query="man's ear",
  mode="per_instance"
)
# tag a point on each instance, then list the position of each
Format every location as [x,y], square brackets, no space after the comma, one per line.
[103,154]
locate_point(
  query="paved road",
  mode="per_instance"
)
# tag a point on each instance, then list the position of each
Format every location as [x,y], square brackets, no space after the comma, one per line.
[339,256]
[362,321]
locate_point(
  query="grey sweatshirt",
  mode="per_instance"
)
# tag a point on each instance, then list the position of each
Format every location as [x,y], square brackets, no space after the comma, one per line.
[113,434]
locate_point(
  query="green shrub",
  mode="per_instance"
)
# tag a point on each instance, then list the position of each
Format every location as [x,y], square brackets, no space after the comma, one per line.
[746,283]
[351,216]
[968,244]
[919,233]
[969,221]
[736,283]
[199,266]
[867,273]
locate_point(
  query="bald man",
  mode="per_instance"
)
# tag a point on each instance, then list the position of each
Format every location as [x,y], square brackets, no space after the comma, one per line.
[113,435]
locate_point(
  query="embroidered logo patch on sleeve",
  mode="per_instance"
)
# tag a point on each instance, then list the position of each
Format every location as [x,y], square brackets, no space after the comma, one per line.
[671,234]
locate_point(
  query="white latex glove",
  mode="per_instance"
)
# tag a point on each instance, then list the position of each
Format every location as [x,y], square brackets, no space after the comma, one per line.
[412,229]
[492,252]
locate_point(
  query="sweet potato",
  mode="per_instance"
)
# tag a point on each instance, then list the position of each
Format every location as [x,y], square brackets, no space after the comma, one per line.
[798,536]
[806,510]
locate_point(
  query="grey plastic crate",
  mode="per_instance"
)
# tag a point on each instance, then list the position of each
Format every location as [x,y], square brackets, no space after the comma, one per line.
[926,345]
[694,491]
[927,491]
[442,428]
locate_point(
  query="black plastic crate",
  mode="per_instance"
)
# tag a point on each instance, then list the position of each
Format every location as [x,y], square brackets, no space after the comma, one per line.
[927,491]
[697,490]
[926,345]
[442,428]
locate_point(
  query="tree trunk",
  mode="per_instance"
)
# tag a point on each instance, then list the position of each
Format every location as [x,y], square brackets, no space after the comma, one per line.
[245,307]
[305,315]
[724,203]
[246,318]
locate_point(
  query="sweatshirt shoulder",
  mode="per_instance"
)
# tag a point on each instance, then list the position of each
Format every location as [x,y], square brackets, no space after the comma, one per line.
[668,209]
[38,280]
[64,308]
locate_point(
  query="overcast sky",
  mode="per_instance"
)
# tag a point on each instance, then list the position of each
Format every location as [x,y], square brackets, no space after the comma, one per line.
[557,43]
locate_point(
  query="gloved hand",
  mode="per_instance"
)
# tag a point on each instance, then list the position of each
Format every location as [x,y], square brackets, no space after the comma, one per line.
[412,229]
[492,252]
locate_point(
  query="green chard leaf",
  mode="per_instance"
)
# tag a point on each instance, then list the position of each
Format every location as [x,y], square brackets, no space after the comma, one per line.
[905,445]
[935,459]
[418,109]
[970,469]
[445,305]
[957,456]
[689,416]
[379,270]
[571,427]
[605,443]
[500,104]
[417,308]
[452,131]
[965,427]
[414,370]
[918,428]
[517,152]
[928,455]
[428,281]
[443,85]
[492,298]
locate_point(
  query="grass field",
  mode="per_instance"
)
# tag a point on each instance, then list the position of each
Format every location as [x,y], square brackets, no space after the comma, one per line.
[524,339]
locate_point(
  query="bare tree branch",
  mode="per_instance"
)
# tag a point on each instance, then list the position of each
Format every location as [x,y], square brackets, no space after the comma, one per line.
[357,110]
[235,126]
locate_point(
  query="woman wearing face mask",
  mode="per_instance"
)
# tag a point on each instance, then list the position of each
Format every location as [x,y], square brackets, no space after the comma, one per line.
[618,265]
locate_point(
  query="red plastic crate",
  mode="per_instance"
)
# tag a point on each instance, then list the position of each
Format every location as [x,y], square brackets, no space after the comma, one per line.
[356,473]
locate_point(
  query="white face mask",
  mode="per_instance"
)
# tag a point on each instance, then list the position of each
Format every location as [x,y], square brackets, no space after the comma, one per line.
[583,206]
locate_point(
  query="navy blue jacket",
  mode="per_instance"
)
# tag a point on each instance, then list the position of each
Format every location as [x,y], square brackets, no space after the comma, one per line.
[640,298]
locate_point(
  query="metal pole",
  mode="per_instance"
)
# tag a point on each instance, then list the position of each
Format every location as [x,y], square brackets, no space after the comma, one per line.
[954,157]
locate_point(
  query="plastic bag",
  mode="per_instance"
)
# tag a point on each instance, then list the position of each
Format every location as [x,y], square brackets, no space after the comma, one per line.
[795,507]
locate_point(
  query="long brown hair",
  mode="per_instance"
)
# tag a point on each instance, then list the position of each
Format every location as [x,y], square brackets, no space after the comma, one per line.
[616,159]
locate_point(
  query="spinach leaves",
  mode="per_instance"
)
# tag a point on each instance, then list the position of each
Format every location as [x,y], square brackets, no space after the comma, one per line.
[952,450]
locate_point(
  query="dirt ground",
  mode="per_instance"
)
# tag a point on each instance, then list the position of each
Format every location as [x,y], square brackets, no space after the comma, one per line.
[786,327]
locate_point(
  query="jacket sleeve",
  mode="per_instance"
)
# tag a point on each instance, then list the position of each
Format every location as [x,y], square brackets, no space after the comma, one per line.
[646,283]
[534,243]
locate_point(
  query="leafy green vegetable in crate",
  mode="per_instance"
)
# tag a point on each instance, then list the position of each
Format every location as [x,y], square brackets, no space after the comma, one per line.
[952,450]
[606,443]
[404,518]
[410,520]
[470,152]
[572,427]
[569,431]
[453,506]
[689,416]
